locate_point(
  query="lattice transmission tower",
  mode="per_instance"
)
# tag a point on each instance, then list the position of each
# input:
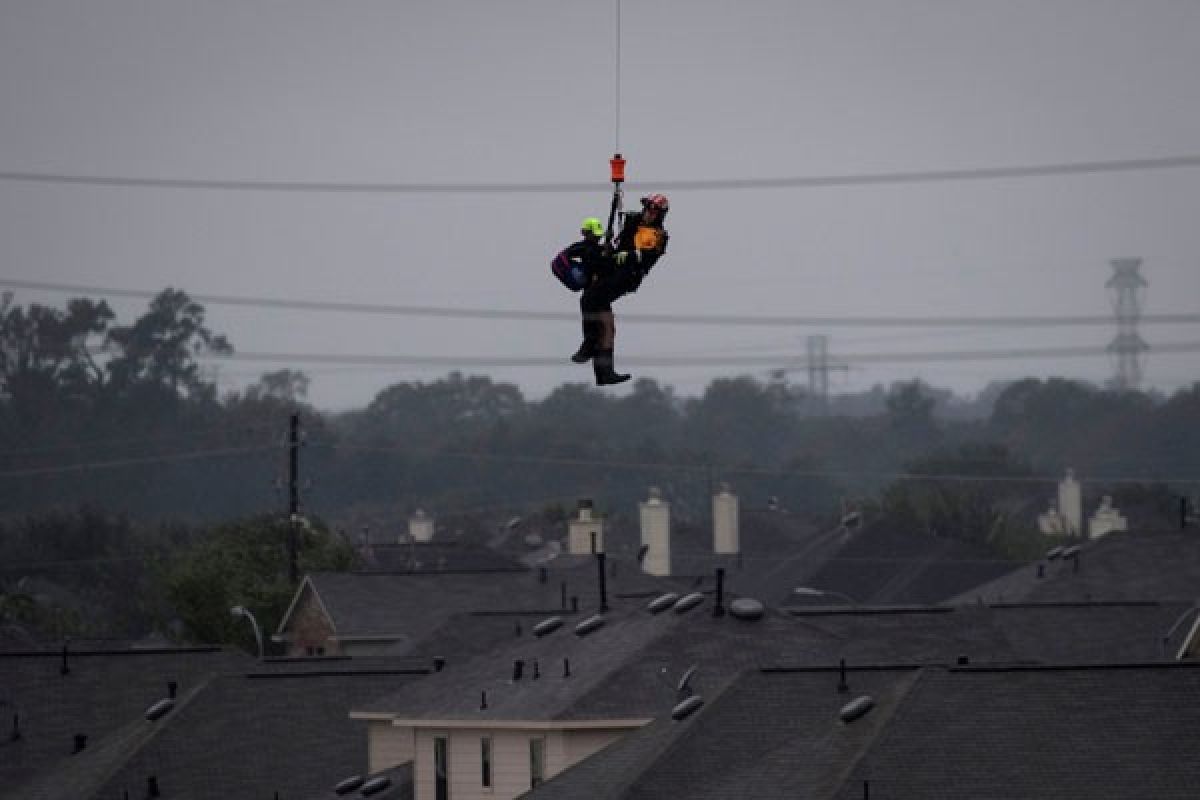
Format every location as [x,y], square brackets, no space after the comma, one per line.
[1127,346]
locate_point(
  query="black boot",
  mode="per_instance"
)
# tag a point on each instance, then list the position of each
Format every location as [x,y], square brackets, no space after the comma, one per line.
[602,363]
[585,352]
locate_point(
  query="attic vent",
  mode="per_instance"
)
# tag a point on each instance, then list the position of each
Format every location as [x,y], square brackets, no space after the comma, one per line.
[376,785]
[687,707]
[662,602]
[856,708]
[159,709]
[588,625]
[746,608]
[547,626]
[688,602]
[349,785]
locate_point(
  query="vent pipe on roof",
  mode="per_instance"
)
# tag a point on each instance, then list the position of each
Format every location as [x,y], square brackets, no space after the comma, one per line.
[963,660]
[574,603]
[537,672]
[172,688]
[542,575]
[603,591]
[483,700]
[866,790]
[566,667]
[65,668]
[80,743]
[152,787]
[1041,570]
[439,664]
[843,687]
[518,669]
[719,608]
[16,731]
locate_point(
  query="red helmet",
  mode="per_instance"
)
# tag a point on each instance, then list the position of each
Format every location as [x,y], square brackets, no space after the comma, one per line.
[658,201]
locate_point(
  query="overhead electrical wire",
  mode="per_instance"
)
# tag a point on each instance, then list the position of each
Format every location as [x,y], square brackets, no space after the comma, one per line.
[137,461]
[685,361]
[749,320]
[1044,170]
[760,471]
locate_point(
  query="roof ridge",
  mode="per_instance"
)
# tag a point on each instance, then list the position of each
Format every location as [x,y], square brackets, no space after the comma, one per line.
[889,721]
[650,757]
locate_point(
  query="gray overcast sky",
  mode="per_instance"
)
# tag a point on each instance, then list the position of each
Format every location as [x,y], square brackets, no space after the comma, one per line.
[523,91]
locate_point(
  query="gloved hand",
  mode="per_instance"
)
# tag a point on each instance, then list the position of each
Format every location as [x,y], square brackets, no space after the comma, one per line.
[621,258]
[624,256]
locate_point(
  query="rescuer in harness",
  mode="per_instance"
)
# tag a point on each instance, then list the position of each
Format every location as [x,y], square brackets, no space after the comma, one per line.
[640,244]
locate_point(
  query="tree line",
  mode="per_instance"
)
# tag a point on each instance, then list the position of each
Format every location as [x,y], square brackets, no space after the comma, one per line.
[102,418]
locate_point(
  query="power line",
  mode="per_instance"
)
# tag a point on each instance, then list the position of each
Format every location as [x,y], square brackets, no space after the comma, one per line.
[760,471]
[1022,321]
[240,431]
[1068,168]
[129,462]
[776,362]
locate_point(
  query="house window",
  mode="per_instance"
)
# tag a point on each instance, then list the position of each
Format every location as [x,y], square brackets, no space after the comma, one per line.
[441,781]
[485,762]
[537,762]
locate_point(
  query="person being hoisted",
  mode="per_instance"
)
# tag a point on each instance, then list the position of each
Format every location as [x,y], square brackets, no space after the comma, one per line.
[638,247]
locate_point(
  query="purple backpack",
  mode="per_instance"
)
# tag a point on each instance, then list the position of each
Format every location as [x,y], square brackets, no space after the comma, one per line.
[570,272]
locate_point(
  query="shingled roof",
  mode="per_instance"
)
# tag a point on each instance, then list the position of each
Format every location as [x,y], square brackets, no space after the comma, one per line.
[1124,566]
[247,735]
[1049,732]
[43,709]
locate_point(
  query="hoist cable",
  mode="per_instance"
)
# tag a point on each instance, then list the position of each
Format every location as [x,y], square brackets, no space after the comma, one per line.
[617,149]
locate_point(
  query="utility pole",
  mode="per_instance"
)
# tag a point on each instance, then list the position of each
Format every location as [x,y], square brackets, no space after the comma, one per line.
[293,495]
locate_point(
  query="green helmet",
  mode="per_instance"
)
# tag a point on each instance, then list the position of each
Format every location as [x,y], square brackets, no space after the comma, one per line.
[593,226]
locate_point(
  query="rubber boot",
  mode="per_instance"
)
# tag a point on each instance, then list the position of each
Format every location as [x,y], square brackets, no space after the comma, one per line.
[602,363]
[588,349]
[593,332]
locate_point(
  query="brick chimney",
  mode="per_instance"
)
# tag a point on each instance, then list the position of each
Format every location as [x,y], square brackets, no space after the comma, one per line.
[726,538]
[656,533]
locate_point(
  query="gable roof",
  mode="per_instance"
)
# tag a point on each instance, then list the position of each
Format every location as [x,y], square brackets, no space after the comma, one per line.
[236,735]
[101,692]
[1123,566]
[1096,732]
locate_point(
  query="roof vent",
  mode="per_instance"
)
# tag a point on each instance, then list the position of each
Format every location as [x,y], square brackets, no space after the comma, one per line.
[172,689]
[376,785]
[152,787]
[80,743]
[662,602]
[439,664]
[588,625]
[856,708]
[159,709]
[547,626]
[746,608]
[687,707]
[518,669]
[349,785]
[688,602]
